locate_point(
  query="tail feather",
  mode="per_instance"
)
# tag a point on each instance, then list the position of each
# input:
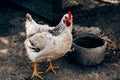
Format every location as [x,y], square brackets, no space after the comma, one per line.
[28,17]
[30,25]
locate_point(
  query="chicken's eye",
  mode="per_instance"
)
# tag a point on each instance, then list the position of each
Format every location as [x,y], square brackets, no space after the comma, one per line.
[65,17]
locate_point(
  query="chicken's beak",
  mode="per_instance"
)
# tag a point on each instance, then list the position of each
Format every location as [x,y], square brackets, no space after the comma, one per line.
[70,21]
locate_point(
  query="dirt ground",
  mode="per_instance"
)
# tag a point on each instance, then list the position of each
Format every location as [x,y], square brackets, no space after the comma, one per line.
[14,65]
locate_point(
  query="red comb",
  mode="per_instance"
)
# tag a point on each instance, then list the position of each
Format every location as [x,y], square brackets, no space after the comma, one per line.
[70,14]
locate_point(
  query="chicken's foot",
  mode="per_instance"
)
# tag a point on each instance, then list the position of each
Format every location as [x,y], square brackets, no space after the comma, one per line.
[51,68]
[36,73]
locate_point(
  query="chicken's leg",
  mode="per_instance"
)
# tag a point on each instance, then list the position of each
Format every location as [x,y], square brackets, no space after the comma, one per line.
[50,67]
[36,73]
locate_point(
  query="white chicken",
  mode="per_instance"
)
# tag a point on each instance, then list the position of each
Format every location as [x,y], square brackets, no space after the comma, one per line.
[50,44]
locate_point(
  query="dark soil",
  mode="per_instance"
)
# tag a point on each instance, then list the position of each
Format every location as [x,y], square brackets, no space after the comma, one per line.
[14,65]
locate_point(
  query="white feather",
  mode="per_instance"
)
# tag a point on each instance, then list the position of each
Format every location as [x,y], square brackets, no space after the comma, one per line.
[32,27]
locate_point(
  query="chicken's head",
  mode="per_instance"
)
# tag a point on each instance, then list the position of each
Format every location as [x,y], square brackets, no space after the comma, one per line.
[67,19]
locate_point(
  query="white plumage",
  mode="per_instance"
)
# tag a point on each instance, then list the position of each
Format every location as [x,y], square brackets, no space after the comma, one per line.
[32,27]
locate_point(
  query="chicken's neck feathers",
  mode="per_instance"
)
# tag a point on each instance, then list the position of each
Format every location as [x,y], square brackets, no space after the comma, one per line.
[59,29]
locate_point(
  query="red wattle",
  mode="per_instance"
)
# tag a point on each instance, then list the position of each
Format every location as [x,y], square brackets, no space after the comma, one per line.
[68,23]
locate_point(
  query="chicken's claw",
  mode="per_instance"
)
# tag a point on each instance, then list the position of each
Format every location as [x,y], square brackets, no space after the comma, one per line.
[51,68]
[36,73]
